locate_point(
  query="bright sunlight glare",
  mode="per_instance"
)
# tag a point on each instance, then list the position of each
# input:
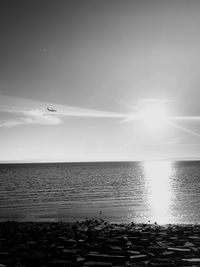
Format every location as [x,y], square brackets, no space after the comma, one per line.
[158,183]
[154,117]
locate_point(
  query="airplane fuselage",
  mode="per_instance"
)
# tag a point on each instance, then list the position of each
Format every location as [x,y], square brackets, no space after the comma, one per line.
[51,109]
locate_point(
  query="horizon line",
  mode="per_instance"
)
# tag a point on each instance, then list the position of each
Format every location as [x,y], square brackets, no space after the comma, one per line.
[99,161]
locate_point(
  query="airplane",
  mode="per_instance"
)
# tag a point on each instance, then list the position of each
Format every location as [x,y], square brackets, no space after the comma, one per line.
[51,109]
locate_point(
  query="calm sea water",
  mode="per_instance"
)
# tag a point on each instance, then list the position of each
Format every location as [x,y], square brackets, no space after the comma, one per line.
[165,192]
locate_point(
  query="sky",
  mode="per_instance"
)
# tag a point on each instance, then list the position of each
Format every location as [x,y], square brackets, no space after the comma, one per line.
[123,77]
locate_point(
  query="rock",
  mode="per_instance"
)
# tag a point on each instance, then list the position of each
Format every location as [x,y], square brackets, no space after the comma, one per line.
[97,264]
[117,245]
[5,257]
[32,244]
[162,244]
[162,260]
[129,243]
[59,248]
[81,241]
[174,238]
[168,253]
[60,263]
[157,264]
[4,254]
[105,257]
[18,236]
[136,258]
[144,241]
[133,252]
[189,244]
[69,254]
[134,239]
[180,250]
[194,249]
[116,248]
[156,249]
[194,237]
[71,242]
[99,227]
[192,260]
[80,261]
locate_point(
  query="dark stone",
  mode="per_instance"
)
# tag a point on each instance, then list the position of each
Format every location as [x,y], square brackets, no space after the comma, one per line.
[180,250]
[69,254]
[136,258]
[105,257]
[4,254]
[157,264]
[76,244]
[60,263]
[97,264]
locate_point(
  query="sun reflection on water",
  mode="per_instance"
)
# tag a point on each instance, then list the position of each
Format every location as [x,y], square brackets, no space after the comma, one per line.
[157,182]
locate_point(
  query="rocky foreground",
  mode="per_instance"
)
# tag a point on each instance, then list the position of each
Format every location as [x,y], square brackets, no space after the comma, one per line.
[98,243]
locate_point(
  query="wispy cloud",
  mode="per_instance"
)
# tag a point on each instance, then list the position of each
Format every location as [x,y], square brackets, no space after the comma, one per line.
[34,112]
[184,118]
[83,112]
[38,116]
[153,101]
[17,111]
[10,123]
[184,129]
[30,117]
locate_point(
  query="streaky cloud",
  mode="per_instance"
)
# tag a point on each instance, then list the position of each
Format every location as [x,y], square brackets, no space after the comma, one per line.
[129,118]
[81,112]
[35,112]
[153,100]
[39,117]
[31,117]
[134,117]
[8,124]
[184,118]
[185,130]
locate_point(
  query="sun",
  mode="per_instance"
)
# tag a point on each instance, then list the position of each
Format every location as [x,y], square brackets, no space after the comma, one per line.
[154,117]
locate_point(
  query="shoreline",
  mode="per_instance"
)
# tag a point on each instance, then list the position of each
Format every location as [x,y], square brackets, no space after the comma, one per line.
[98,243]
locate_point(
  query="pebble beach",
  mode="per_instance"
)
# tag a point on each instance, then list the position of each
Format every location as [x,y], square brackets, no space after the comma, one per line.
[98,243]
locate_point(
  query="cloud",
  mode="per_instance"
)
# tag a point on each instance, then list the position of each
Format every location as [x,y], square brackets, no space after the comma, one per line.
[17,111]
[153,101]
[184,129]
[38,116]
[8,124]
[44,117]
[33,117]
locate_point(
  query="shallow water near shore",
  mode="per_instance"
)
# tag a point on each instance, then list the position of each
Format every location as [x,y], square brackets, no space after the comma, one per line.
[165,192]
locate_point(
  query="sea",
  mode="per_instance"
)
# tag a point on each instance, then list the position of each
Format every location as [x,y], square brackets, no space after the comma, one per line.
[122,192]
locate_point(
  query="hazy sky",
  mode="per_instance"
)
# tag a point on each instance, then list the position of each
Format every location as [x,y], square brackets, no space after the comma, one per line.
[98,63]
